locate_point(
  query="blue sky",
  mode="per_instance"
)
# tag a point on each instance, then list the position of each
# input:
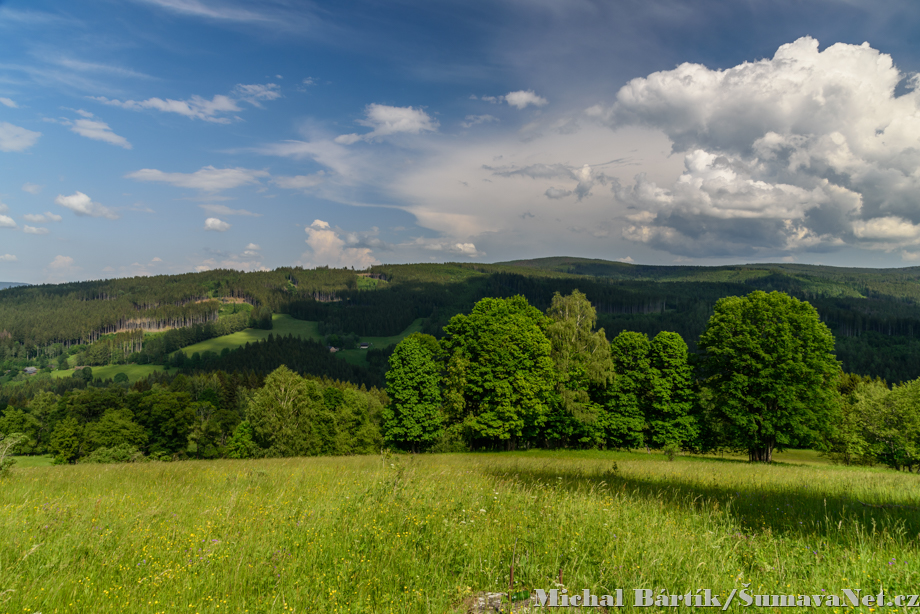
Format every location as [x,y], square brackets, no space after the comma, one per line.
[160,136]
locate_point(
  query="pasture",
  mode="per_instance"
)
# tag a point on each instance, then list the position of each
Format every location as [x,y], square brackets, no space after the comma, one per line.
[282,325]
[426,533]
[134,372]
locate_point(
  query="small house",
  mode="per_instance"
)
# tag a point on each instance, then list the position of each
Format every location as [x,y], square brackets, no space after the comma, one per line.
[30,370]
[364,346]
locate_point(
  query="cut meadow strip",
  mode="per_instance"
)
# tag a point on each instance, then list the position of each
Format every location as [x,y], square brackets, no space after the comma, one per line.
[427,533]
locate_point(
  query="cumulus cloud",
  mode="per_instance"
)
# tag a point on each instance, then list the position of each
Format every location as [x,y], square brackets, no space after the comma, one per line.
[32,230]
[385,121]
[8,103]
[225,210]
[8,258]
[215,224]
[31,188]
[808,150]
[98,131]
[83,205]
[61,268]
[42,218]
[327,248]
[14,138]
[206,179]
[524,98]
[7,222]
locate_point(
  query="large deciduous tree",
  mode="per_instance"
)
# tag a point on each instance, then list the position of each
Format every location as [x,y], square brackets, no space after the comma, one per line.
[583,370]
[413,418]
[499,370]
[768,360]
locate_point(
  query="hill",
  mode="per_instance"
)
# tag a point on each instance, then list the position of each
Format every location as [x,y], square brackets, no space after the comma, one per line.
[10,284]
[873,312]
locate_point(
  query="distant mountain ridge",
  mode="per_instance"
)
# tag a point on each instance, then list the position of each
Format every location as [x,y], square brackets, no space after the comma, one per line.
[10,284]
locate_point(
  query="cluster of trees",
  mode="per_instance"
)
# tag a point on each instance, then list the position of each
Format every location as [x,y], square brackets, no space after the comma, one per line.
[507,375]
[202,416]
[876,425]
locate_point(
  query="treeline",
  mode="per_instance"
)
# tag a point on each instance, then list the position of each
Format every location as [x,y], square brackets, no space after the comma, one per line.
[305,356]
[200,416]
[42,322]
[507,375]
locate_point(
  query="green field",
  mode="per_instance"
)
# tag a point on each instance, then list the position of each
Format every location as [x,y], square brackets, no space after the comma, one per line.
[33,461]
[134,372]
[282,325]
[359,357]
[428,533]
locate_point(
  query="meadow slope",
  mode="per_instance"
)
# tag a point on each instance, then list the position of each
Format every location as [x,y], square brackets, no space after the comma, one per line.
[426,533]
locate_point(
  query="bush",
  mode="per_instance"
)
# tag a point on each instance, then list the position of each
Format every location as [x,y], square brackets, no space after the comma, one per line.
[671,450]
[123,453]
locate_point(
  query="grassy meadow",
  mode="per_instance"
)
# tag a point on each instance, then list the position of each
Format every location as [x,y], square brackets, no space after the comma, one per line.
[426,533]
[282,325]
[134,372]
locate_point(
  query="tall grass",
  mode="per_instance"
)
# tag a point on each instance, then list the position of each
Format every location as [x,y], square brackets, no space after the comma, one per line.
[423,534]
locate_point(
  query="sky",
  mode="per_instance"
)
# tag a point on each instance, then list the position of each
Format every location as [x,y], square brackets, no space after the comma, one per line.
[143,137]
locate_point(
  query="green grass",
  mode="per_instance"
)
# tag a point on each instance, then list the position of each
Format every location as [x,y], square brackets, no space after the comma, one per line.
[423,534]
[33,461]
[359,357]
[134,372]
[282,325]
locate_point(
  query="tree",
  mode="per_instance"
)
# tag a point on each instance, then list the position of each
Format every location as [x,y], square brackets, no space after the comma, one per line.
[891,423]
[670,393]
[769,362]
[413,417]
[285,414]
[583,370]
[116,427]
[624,418]
[66,440]
[499,370]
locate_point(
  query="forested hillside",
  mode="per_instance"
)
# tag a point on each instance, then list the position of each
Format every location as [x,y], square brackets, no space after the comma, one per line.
[873,313]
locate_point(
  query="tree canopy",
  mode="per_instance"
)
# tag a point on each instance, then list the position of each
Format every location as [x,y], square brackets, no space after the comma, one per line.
[769,362]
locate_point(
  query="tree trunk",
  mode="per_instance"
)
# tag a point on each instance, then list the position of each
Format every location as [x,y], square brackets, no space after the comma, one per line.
[761,454]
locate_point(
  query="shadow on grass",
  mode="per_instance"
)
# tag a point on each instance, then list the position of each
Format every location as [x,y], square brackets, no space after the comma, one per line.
[756,504]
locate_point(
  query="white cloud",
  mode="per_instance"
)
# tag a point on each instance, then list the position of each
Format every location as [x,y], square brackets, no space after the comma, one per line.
[8,103]
[475,120]
[206,179]
[156,259]
[31,188]
[81,204]
[8,258]
[61,263]
[212,223]
[195,107]
[253,247]
[256,94]
[225,210]
[299,182]
[38,218]
[808,150]
[98,131]
[7,222]
[14,138]
[386,120]
[327,248]
[32,230]
[524,98]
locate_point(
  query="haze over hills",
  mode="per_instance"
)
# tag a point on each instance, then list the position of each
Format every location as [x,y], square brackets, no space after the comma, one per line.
[10,284]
